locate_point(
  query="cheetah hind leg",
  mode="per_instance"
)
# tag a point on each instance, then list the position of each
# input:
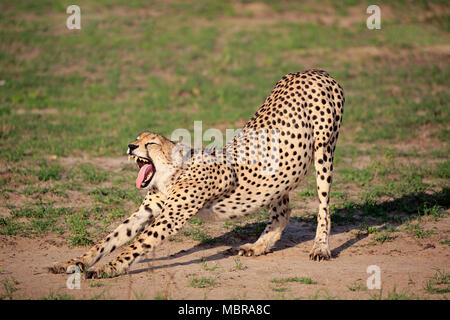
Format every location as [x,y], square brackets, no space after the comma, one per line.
[323,163]
[279,217]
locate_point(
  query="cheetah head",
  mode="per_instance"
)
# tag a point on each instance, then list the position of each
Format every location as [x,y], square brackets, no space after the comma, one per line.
[153,155]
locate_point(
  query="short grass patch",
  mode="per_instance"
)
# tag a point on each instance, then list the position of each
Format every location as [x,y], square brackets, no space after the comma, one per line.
[394,294]
[89,173]
[57,296]
[197,234]
[78,225]
[418,231]
[439,283]
[49,171]
[302,280]
[9,286]
[357,286]
[202,282]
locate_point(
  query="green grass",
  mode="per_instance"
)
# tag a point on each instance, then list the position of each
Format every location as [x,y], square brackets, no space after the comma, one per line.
[202,282]
[279,289]
[95,284]
[342,218]
[360,177]
[435,211]
[205,267]
[443,169]
[402,295]
[91,130]
[249,229]
[78,224]
[308,219]
[41,217]
[322,294]
[393,295]
[307,193]
[379,234]
[10,227]
[89,173]
[40,210]
[357,286]
[71,101]
[196,221]
[303,280]
[238,265]
[412,204]
[160,296]
[57,190]
[418,231]
[439,283]
[384,237]
[199,235]
[9,286]
[114,195]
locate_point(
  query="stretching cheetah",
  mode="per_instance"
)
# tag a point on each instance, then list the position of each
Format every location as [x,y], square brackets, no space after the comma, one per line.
[299,122]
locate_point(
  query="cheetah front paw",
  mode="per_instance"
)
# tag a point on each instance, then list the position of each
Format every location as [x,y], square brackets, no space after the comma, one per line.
[106,271]
[320,252]
[252,249]
[66,267]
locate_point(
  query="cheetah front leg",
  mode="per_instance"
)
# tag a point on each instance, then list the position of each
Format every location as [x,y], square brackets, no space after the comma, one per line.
[279,218]
[176,211]
[150,208]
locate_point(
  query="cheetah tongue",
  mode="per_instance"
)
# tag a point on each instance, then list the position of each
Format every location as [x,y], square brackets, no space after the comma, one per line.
[145,170]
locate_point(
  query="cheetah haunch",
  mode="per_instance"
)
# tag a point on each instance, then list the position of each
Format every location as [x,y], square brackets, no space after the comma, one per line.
[300,120]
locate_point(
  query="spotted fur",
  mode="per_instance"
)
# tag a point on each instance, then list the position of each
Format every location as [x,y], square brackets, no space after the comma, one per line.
[301,117]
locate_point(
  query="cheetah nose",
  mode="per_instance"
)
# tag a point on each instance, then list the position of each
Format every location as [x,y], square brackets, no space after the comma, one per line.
[132,146]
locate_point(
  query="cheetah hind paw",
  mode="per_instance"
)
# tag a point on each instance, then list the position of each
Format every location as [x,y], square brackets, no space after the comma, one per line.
[252,249]
[320,252]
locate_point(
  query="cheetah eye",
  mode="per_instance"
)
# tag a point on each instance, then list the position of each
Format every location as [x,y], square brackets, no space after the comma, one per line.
[150,144]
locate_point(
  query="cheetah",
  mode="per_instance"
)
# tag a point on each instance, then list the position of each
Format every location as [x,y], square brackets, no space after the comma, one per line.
[300,120]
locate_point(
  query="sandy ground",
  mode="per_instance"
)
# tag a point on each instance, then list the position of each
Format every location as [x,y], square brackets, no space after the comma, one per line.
[406,264]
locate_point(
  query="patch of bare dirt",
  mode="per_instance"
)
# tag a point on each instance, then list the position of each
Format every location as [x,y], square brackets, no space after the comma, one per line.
[20,51]
[436,54]
[256,14]
[78,67]
[424,142]
[406,263]
[108,164]
[46,111]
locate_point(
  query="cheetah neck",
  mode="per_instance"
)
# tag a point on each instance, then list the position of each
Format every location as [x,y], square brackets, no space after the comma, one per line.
[166,179]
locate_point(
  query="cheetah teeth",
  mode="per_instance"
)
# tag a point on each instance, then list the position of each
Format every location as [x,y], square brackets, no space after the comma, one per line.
[131,157]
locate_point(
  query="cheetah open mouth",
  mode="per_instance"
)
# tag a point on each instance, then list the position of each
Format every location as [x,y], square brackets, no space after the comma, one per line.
[146,171]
